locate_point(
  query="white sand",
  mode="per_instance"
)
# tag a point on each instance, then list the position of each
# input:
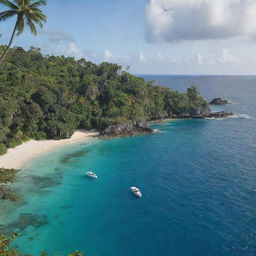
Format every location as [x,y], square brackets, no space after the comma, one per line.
[16,158]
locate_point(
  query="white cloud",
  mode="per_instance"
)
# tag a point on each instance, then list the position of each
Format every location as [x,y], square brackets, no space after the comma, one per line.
[109,56]
[160,56]
[142,58]
[227,58]
[173,20]
[200,59]
[70,49]
[74,50]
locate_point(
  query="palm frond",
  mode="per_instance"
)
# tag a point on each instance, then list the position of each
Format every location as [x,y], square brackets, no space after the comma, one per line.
[31,25]
[18,2]
[36,15]
[37,4]
[35,19]
[20,25]
[28,13]
[6,15]
[9,4]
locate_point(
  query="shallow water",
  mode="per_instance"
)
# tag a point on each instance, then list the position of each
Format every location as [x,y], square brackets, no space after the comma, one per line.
[198,180]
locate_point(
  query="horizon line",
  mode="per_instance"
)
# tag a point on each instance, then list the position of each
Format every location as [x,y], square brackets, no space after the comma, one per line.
[195,75]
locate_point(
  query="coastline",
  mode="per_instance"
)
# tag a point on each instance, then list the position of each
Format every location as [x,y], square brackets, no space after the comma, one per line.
[16,158]
[165,120]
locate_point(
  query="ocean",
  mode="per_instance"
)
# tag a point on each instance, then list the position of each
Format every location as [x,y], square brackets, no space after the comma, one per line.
[198,179]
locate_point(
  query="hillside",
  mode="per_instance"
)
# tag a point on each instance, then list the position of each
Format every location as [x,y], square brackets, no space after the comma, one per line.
[43,97]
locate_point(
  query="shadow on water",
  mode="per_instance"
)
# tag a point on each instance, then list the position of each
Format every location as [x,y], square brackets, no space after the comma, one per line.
[66,206]
[42,182]
[24,221]
[67,158]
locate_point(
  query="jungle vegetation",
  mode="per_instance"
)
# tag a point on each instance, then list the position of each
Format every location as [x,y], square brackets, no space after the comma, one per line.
[48,97]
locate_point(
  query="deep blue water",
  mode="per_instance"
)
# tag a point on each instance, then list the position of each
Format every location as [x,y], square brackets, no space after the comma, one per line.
[198,179]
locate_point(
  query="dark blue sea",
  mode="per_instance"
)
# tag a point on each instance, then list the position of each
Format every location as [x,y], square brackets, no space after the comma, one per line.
[198,179]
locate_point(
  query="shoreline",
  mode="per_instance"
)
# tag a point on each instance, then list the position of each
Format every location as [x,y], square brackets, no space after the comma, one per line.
[17,157]
[165,120]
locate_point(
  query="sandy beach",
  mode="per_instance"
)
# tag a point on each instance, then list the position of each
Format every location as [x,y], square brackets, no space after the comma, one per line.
[17,157]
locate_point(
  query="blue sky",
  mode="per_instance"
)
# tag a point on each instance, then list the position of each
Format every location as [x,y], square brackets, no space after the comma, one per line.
[152,37]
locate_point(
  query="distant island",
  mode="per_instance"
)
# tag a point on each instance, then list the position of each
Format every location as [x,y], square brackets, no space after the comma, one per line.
[218,101]
[49,97]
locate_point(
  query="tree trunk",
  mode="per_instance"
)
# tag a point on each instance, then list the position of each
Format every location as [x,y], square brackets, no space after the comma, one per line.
[10,43]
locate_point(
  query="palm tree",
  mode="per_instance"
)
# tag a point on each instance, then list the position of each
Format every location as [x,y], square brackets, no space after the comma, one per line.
[27,12]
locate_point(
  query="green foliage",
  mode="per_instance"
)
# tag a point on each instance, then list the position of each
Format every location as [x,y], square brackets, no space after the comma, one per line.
[3,149]
[45,97]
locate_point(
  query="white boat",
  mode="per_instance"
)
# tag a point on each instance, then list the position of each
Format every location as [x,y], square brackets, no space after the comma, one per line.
[136,191]
[91,175]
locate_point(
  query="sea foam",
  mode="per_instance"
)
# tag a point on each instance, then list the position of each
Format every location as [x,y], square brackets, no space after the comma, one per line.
[241,116]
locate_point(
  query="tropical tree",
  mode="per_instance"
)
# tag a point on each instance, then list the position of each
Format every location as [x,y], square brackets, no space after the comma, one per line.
[27,12]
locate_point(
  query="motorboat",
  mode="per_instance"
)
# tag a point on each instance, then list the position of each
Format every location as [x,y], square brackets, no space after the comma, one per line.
[136,191]
[91,175]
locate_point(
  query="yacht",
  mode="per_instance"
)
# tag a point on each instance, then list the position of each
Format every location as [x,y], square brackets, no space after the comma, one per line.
[91,175]
[136,191]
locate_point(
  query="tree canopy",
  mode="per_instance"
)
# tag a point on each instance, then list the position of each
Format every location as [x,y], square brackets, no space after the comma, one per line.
[43,97]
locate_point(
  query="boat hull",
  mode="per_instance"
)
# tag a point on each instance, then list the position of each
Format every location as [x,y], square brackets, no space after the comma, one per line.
[137,193]
[90,175]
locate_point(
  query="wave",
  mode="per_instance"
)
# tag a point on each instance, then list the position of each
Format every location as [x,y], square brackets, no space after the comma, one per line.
[235,116]
[157,131]
[240,116]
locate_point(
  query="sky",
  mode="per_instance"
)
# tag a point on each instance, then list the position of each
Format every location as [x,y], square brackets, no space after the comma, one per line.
[198,37]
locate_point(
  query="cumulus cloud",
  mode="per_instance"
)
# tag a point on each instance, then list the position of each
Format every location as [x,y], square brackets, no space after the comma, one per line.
[70,49]
[200,59]
[160,56]
[109,56]
[142,58]
[225,57]
[73,49]
[56,36]
[174,20]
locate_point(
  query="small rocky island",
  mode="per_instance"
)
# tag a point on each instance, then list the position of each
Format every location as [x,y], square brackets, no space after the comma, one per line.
[218,101]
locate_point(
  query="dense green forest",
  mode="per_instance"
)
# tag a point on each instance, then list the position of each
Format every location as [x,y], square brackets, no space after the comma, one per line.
[44,97]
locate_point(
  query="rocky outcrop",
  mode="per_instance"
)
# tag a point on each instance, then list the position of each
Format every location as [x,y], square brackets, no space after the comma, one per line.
[205,112]
[126,129]
[218,101]
[220,114]
[131,128]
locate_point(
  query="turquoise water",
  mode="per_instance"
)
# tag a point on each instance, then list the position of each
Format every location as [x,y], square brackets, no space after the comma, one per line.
[198,179]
